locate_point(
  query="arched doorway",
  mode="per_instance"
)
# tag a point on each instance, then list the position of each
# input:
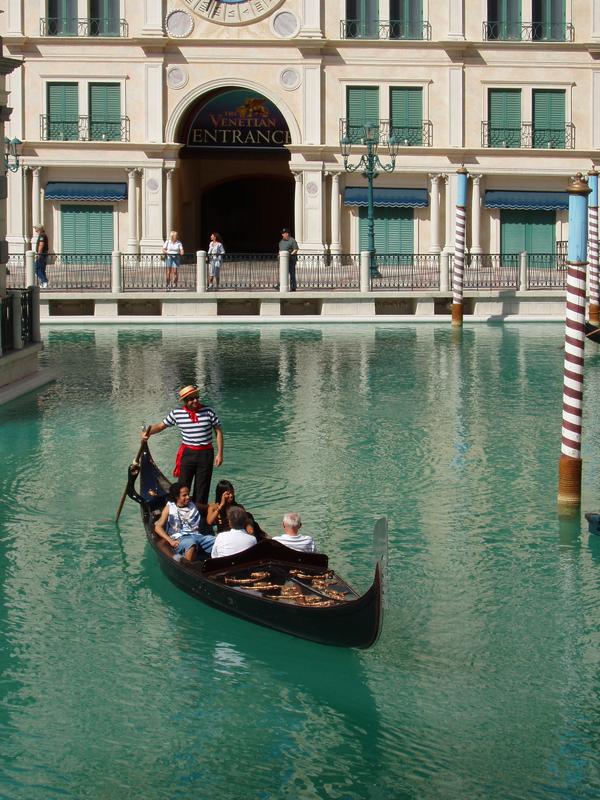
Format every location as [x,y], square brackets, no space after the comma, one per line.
[234,175]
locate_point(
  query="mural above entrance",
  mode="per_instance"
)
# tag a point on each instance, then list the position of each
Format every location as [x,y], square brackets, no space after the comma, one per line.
[238,119]
[233,12]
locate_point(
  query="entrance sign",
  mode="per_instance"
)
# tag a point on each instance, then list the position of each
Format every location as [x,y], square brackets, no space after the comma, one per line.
[238,119]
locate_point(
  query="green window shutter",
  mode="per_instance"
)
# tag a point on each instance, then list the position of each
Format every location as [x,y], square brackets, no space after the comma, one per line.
[548,118]
[104,17]
[63,111]
[504,118]
[87,229]
[406,113]
[549,20]
[527,231]
[504,17]
[105,111]
[394,230]
[362,19]
[362,108]
[406,19]
[62,17]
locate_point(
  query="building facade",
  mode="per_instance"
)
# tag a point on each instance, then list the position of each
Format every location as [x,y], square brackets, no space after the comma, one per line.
[200,115]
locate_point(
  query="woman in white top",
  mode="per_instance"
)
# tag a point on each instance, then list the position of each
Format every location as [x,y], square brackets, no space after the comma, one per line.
[216,252]
[172,250]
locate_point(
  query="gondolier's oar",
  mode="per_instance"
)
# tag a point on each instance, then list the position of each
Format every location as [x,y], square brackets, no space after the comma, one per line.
[134,463]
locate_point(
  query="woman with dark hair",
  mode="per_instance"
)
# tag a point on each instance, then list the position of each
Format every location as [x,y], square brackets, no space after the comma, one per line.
[215,254]
[179,525]
[216,513]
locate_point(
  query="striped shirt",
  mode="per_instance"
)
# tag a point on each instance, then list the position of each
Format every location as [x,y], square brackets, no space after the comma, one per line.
[194,433]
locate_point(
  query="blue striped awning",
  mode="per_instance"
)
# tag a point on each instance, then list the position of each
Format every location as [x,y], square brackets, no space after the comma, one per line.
[81,190]
[530,201]
[396,198]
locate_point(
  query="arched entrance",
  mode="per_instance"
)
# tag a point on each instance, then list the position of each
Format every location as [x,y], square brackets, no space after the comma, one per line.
[234,175]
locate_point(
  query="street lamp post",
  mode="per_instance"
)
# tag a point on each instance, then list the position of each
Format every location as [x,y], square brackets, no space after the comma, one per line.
[370,136]
[11,154]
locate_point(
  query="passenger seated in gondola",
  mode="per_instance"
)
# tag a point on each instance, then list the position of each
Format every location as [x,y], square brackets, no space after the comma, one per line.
[216,513]
[291,536]
[237,538]
[179,525]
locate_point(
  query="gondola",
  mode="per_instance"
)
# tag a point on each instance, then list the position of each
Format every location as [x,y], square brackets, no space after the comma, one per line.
[592,332]
[269,584]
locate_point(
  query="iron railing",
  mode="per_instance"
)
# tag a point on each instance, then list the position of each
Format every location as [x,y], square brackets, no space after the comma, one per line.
[6,324]
[328,271]
[15,275]
[79,272]
[407,136]
[354,132]
[406,271]
[491,271]
[412,30]
[86,26]
[148,272]
[528,32]
[27,315]
[527,135]
[83,129]
[546,271]
[249,271]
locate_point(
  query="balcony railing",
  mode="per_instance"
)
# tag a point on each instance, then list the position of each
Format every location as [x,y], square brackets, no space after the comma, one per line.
[528,32]
[404,135]
[527,135]
[147,272]
[328,271]
[491,271]
[88,26]
[407,136]
[406,272]
[411,30]
[83,129]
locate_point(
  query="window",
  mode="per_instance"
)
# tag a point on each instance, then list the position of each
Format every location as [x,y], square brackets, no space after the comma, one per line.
[406,114]
[504,19]
[549,20]
[528,231]
[87,229]
[105,111]
[63,112]
[504,118]
[549,118]
[362,19]
[394,230]
[362,109]
[104,18]
[406,19]
[62,18]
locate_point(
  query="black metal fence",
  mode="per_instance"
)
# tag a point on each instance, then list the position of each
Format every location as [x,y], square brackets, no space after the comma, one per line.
[491,271]
[416,271]
[79,273]
[328,271]
[546,271]
[15,272]
[27,312]
[6,324]
[148,272]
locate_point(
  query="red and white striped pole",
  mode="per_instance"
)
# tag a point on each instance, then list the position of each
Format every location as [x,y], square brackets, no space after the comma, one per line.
[594,267]
[458,268]
[569,470]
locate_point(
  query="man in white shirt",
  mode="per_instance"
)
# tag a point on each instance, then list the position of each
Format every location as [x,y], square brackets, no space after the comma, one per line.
[237,538]
[291,536]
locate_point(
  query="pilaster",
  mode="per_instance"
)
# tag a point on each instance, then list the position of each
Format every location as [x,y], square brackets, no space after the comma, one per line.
[152,209]
[153,107]
[455,106]
[311,20]
[14,25]
[312,104]
[456,20]
[596,109]
[153,18]
[313,209]
[595,21]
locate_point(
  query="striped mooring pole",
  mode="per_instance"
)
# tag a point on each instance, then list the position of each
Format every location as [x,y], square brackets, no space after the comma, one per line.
[593,269]
[569,469]
[458,268]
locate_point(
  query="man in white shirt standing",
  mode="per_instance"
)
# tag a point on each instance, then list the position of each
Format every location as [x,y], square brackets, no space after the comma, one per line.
[237,538]
[291,536]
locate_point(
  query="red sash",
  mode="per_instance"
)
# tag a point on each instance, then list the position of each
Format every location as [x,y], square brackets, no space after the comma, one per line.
[181,451]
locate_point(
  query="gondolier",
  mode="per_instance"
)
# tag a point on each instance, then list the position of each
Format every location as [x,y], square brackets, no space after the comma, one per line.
[196,456]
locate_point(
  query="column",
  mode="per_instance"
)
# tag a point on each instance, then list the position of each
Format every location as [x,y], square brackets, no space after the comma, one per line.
[596,109]
[311,19]
[476,215]
[449,214]
[153,14]
[169,202]
[456,20]
[132,238]
[434,238]
[336,238]
[298,199]
[595,20]
[17,207]
[152,209]
[35,199]
[526,13]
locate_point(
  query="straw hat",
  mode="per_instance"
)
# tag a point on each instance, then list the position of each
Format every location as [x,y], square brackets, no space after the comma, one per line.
[188,392]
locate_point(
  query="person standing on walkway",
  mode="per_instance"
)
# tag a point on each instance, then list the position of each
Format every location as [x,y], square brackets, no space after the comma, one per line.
[172,250]
[291,245]
[216,251]
[41,255]
[196,456]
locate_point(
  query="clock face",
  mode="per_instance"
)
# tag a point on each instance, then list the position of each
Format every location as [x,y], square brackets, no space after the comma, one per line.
[233,12]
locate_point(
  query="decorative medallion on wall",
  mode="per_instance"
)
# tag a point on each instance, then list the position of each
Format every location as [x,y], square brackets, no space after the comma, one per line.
[233,12]
[285,25]
[152,185]
[179,24]
[311,188]
[177,77]
[289,79]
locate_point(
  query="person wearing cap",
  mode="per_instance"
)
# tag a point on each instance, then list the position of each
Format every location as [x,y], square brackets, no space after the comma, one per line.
[41,255]
[291,245]
[196,456]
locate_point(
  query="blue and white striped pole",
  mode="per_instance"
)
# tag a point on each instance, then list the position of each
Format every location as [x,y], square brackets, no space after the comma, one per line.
[594,267]
[458,266]
[569,471]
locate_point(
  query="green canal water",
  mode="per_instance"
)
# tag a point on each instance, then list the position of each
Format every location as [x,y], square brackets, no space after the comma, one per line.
[485,682]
